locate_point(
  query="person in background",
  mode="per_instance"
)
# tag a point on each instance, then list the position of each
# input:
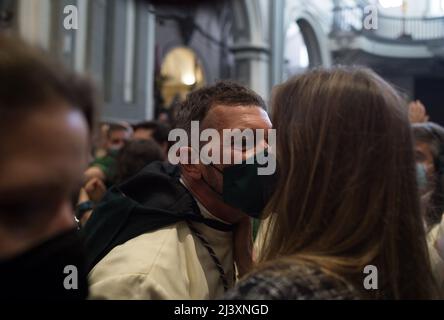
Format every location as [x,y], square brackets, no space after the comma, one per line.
[105,167]
[134,156]
[155,130]
[102,170]
[429,148]
[46,120]
[346,196]
[91,193]
[429,152]
[435,240]
[164,117]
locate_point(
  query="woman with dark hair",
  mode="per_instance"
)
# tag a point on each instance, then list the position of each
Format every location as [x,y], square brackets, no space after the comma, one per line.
[346,199]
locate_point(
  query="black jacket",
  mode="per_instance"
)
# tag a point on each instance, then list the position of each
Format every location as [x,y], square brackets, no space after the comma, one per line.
[151,200]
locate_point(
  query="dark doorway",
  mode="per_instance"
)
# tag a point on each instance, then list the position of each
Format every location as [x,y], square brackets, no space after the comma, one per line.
[431,92]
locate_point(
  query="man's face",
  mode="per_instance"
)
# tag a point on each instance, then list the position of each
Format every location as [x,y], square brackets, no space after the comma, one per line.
[242,117]
[41,169]
[143,134]
[117,139]
[424,156]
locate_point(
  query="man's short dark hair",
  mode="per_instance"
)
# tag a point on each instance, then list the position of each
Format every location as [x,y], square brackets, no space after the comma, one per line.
[29,81]
[160,130]
[199,102]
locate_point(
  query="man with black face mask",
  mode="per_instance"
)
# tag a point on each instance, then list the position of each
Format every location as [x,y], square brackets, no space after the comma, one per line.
[45,123]
[176,231]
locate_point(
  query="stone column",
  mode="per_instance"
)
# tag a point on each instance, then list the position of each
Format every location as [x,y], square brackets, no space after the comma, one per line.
[277,38]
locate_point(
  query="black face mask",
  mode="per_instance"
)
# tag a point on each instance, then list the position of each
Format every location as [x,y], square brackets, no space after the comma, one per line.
[54,270]
[244,188]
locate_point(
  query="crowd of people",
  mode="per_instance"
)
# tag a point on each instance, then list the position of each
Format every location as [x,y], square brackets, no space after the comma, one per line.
[358,183]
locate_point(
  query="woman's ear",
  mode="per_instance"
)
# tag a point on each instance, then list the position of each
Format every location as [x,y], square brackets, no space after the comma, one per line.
[189,162]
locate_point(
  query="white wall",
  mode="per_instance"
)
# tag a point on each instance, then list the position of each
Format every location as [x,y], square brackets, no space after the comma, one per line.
[415,8]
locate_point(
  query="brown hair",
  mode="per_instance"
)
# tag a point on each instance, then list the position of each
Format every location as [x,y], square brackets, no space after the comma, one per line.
[349,196]
[29,80]
[199,102]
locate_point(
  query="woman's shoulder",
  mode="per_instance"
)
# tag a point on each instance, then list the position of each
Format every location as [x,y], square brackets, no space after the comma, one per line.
[290,281]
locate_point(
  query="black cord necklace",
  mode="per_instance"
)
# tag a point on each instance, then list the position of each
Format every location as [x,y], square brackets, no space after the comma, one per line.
[212,254]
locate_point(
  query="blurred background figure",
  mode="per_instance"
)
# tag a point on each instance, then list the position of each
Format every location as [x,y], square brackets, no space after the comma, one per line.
[134,156]
[104,167]
[346,197]
[147,55]
[164,116]
[429,151]
[128,150]
[156,131]
[46,120]
[100,141]
[102,170]
[117,135]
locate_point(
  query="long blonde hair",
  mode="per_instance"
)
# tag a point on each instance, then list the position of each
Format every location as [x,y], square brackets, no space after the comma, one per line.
[347,195]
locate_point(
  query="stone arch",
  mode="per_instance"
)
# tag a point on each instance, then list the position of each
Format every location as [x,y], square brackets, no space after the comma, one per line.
[312,43]
[316,39]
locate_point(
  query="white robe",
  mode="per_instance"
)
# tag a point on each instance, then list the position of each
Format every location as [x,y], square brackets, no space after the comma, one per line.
[170,263]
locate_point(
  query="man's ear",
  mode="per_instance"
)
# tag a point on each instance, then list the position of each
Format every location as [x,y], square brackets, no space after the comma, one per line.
[189,162]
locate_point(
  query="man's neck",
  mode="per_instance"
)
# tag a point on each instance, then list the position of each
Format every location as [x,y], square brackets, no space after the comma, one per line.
[215,206]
